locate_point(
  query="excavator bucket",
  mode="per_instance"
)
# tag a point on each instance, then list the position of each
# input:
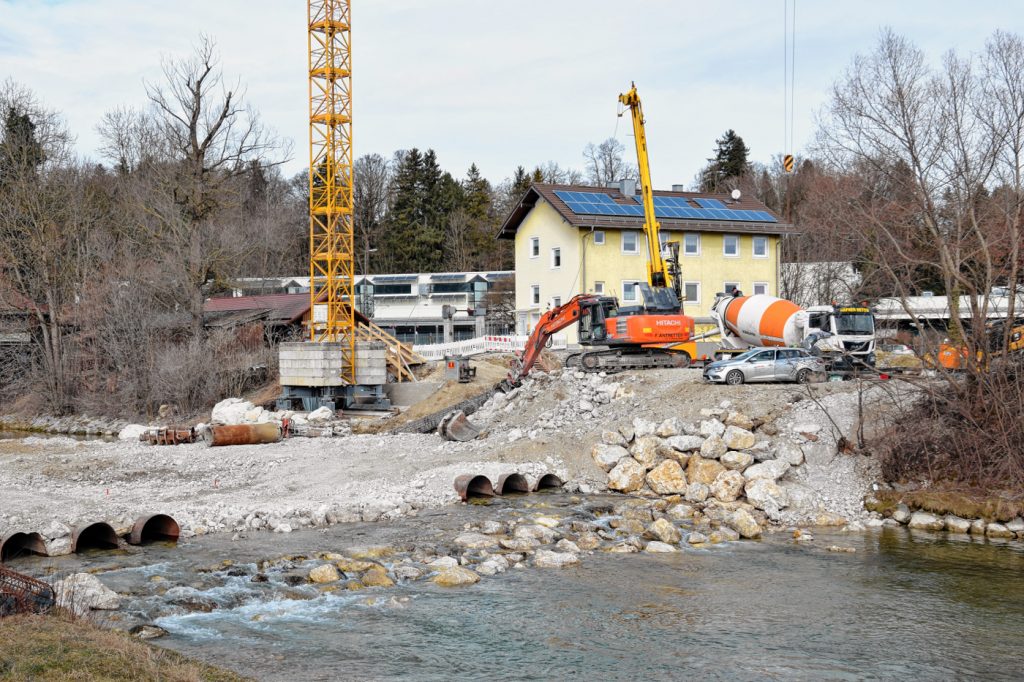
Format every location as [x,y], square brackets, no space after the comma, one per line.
[457,427]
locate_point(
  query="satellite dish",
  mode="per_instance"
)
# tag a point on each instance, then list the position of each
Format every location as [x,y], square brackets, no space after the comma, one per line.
[736,195]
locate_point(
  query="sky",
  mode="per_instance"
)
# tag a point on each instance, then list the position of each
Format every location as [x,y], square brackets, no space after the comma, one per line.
[500,84]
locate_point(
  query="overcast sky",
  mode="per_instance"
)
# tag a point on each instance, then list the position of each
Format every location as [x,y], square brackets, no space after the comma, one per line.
[498,83]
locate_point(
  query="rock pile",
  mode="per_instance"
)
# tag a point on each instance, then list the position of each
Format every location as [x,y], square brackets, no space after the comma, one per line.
[902,515]
[730,467]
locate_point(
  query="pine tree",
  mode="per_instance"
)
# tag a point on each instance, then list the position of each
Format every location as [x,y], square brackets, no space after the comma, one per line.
[730,161]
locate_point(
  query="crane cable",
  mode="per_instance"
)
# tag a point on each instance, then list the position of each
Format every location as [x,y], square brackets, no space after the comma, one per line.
[788,75]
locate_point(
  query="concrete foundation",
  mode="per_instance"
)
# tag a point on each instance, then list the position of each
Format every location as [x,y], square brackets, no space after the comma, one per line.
[304,363]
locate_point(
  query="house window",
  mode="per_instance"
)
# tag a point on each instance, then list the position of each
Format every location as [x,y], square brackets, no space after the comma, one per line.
[599,236]
[691,292]
[630,243]
[535,294]
[598,287]
[691,244]
[630,288]
[760,287]
[730,287]
[556,301]
[534,247]
[556,258]
[731,245]
[760,247]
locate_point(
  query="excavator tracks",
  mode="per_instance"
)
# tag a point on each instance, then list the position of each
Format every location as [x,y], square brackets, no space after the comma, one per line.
[616,360]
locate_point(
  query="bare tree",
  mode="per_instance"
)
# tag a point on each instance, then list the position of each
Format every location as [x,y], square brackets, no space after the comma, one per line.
[371,191]
[606,164]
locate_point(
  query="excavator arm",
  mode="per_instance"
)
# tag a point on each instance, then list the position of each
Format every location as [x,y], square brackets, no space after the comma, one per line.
[550,323]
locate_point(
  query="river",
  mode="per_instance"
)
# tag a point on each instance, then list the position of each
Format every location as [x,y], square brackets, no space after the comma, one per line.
[902,606]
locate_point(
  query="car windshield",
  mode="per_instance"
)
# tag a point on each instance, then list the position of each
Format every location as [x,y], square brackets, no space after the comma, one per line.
[855,323]
[747,355]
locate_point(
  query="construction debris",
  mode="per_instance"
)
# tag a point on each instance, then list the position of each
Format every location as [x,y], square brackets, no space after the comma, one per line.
[22,594]
[455,426]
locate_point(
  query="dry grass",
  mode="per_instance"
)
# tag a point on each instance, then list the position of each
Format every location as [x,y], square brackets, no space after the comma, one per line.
[965,503]
[56,648]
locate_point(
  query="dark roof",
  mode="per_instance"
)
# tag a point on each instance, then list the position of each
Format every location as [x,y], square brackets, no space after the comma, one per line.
[547,192]
[279,308]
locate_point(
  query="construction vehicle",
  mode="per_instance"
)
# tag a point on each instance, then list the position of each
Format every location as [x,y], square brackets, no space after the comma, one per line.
[844,336]
[647,336]
[954,358]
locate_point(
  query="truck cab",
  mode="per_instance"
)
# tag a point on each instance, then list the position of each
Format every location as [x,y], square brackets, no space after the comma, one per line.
[850,329]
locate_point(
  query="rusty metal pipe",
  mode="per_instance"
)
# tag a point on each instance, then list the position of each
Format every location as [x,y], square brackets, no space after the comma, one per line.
[20,544]
[154,528]
[512,483]
[242,434]
[469,485]
[548,482]
[94,536]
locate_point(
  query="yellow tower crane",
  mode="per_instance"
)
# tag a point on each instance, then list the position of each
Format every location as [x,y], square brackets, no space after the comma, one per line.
[331,262]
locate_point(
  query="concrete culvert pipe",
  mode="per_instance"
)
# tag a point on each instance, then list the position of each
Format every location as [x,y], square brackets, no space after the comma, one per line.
[512,483]
[154,528]
[94,536]
[469,485]
[548,482]
[22,544]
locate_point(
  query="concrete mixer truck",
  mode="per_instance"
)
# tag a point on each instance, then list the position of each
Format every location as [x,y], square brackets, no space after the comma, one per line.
[844,336]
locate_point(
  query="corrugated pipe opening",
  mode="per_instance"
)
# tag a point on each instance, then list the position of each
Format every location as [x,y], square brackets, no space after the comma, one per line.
[512,483]
[548,482]
[94,536]
[468,486]
[22,544]
[154,528]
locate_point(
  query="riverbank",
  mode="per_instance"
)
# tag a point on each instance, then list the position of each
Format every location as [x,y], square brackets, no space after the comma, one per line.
[58,648]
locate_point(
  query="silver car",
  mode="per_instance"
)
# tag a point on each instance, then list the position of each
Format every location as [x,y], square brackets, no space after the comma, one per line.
[766,364]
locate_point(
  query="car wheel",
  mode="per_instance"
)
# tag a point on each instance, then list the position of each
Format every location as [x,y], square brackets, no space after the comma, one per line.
[734,378]
[803,376]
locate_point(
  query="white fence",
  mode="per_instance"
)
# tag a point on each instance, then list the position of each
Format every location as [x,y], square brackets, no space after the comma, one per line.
[483,344]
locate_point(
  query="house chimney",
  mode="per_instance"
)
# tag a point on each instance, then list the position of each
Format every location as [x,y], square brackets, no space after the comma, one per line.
[627,187]
[678,188]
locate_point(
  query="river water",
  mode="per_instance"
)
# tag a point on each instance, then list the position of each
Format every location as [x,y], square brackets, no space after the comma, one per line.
[902,606]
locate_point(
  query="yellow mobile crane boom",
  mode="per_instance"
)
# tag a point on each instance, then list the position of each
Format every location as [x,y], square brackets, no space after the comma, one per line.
[657,268]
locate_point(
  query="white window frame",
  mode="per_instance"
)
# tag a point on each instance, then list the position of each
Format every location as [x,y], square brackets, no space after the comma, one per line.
[725,286]
[695,235]
[556,252]
[534,247]
[598,237]
[599,287]
[760,284]
[534,294]
[753,246]
[693,300]
[635,251]
[725,240]
[556,301]
[636,291]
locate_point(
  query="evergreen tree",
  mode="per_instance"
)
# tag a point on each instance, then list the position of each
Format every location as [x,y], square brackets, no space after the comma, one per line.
[20,150]
[730,161]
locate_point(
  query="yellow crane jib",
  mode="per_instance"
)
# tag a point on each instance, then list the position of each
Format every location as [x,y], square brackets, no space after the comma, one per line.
[657,271]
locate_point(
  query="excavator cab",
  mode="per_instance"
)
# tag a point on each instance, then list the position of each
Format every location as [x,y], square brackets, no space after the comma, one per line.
[593,313]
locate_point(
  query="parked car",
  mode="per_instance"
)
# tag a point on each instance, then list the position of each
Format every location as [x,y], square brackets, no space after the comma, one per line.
[766,364]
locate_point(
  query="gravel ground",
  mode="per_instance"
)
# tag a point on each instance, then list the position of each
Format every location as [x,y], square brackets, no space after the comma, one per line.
[52,484]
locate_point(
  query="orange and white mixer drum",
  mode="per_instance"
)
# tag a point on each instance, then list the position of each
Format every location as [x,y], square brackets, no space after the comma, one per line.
[762,320]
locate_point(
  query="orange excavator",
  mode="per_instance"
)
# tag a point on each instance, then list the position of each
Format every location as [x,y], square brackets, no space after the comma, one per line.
[646,336]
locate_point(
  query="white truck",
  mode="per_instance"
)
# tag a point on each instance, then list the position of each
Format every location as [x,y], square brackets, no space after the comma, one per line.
[843,335]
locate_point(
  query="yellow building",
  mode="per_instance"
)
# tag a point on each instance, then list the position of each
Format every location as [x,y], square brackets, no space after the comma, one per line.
[578,239]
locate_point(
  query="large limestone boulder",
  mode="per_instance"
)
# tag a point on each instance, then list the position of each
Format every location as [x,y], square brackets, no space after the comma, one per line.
[772,469]
[607,456]
[727,486]
[713,448]
[735,460]
[922,520]
[711,427]
[667,478]
[685,443]
[132,432]
[744,523]
[697,492]
[736,438]
[998,530]
[666,531]
[376,577]
[740,420]
[790,452]
[673,426]
[472,540]
[647,451]
[767,496]
[230,411]
[643,427]
[954,524]
[611,437]
[547,559]
[654,546]
[324,574]
[901,513]
[456,576]
[681,511]
[1015,525]
[83,592]
[627,476]
[701,470]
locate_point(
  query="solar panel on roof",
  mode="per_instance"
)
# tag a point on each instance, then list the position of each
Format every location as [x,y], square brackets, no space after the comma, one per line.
[447,278]
[600,203]
[395,278]
[709,203]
